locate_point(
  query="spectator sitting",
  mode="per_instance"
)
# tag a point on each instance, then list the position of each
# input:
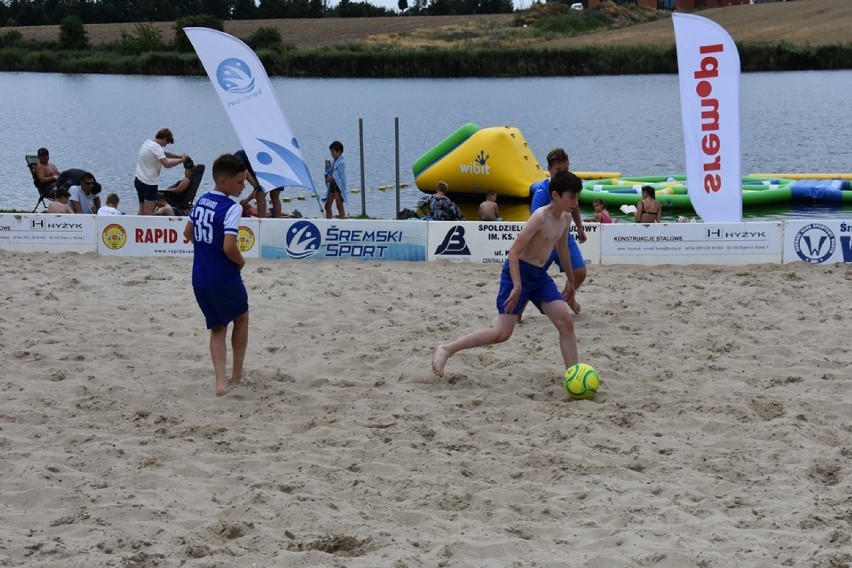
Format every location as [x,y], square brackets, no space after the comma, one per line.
[83,197]
[488,209]
[46,173]
[174,193]
[601,213]
[111,207]
[439,207]
[163,208]
[60,205]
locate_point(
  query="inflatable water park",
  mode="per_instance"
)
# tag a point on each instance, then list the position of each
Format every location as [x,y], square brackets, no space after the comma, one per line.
[474,160]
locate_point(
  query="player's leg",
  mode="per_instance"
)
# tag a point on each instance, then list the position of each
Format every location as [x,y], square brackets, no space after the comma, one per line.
[341,212]
[260,198]
[276,202]
[218,353]
[558,313]
[239,343]
[501,330]
[329,200]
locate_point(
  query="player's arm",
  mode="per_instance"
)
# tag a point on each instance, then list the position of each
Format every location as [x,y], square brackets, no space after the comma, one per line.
[565,260]
[232,250]
[188,232]
[521,242]
[578,222]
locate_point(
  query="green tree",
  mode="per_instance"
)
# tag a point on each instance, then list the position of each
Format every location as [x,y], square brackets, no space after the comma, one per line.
[181,41]
[71,33]
[402,5]
[264,37]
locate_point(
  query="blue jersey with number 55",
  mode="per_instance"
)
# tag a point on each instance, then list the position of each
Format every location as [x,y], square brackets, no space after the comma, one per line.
[213,216]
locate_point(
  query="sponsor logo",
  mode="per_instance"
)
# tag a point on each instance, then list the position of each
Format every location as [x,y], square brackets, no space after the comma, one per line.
[269,165]
[114,236]
[303,240]
[234,76]
[245,239]
[814,243]
[454,243]
[711,141]
[478,166]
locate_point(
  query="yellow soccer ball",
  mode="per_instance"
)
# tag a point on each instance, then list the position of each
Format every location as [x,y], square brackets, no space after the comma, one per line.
[581,381]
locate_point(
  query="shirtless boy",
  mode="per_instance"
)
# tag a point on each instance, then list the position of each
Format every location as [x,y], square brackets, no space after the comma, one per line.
[525,278]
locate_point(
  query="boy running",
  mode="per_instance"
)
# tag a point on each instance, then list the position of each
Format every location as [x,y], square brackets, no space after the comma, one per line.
[213,227]
[525,277]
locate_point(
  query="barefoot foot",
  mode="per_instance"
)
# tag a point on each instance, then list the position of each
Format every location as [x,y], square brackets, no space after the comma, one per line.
[439,359]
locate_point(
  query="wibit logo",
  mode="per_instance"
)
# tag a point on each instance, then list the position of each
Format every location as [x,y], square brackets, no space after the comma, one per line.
[477,166]
[303,240]
[282,167]
[235,76]
[454,243]
[814,243]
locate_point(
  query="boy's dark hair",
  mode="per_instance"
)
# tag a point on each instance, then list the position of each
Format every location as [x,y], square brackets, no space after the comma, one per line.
[565,181]
[489,193]
[337,146]
[62,192]
[112,198]
[227,165]
[556,155]
[165,134]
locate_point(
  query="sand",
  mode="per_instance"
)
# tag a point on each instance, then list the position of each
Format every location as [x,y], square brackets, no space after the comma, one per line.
[721,436]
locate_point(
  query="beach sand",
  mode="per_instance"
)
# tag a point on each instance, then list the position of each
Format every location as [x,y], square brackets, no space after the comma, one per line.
[721,436]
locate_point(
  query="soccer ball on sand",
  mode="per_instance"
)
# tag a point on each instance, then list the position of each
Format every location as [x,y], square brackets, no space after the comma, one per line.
[581,381]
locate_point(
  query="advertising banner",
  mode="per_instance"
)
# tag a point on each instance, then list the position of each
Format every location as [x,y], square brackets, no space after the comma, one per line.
[132,235]
[486,242]
[42,232]
[249,101]
[822,242]
[343,239]
[709,71]
[691,243]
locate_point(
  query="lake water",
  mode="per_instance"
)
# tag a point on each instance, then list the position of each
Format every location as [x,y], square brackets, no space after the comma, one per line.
[796,121]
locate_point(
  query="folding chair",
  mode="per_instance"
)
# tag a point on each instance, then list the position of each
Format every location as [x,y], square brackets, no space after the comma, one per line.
[45,192]
[182,202]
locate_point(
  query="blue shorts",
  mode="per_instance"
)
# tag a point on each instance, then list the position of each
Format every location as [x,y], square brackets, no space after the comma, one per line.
[536,285]
[144,191]
[577,260]
[221,306]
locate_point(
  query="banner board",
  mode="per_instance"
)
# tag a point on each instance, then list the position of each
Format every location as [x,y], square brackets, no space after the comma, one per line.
[691,243]
[249,100]
[343,239]
[133,235]
[821,242]
[42,232]
[486,242]
[709,75]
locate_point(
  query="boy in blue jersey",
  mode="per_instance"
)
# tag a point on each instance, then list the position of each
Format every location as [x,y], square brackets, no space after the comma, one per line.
[525,278]
[214,227]
[557,161]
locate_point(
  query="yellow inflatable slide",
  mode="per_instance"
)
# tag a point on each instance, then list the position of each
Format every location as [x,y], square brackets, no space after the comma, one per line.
[475,160]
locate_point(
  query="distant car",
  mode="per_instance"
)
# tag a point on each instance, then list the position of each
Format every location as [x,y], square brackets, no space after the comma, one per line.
[577,6]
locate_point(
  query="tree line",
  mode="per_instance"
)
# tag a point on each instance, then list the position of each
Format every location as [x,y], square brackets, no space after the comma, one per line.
[53,12]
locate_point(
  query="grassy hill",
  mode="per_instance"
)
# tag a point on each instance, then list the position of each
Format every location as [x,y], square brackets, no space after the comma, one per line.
[799,22]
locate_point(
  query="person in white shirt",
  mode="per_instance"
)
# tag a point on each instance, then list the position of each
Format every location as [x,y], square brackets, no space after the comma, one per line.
[152,157]
[82,199]
[111,207]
